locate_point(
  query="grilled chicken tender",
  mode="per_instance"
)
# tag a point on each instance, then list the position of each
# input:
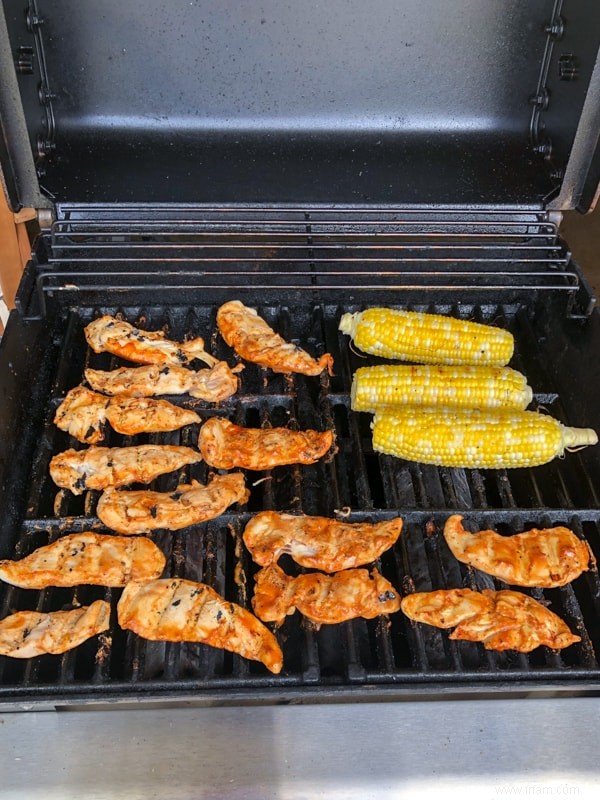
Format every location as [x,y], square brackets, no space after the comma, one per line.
[254,340]
[132,415]
[225,445]
[544,558]
[318,542]
[211,385]
[107,467]
[177,610]
[189,504]
[82,414]
[325,599]
[110,335]
[503,620]
[27,634]
[86,558]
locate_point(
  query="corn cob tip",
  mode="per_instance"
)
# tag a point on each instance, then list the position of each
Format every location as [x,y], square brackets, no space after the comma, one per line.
[348,323]
[574,438]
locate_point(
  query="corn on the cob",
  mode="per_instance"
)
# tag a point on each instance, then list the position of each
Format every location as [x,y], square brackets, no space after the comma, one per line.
[484,440]
[427,338]
[389,385]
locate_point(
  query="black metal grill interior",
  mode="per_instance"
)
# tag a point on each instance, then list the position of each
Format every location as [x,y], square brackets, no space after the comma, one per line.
[106,262]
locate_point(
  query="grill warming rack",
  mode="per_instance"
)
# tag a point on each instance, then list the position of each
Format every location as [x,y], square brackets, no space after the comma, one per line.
[160,251]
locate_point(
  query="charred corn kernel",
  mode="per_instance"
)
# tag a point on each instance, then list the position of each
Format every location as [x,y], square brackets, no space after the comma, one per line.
[427,338]
[474,439]
[390,385]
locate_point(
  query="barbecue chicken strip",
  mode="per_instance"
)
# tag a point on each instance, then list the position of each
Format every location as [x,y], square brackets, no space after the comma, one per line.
[325,599]
[177,610]
[110,335]
[211,385]
[318,542]
[107,467]
[503,620]
[254,340]
[132,415]
[189,504]
[225,445]
[27,634]
[545,558]
[86,558]
[82,414]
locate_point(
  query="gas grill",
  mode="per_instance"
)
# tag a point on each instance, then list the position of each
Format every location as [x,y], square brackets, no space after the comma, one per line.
[456,234]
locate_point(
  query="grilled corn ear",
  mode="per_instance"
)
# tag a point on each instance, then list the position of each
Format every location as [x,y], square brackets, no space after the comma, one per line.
[390,385]
[473,439]
[427,338]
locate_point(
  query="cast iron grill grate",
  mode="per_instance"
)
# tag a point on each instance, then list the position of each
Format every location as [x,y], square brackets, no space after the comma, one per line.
[391,654]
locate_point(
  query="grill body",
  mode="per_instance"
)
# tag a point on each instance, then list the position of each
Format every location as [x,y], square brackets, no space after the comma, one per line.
[302,269]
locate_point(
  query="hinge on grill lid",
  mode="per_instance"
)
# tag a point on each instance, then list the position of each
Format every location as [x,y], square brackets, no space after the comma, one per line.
[46,144]
[541,142]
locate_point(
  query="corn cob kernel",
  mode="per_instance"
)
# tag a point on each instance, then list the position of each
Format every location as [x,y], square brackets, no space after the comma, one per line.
[427,338]
[390,385]
[474,439]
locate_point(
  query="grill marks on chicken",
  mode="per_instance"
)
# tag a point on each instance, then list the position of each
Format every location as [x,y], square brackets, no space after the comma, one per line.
[544,558]
[86,558]
[502,620]
[189,504]
[324,599]
[253,339]
[178,610]
[106,467]
[211,385]
[83,413]
[27,634]
[225,445]
[110,335]
[318,542]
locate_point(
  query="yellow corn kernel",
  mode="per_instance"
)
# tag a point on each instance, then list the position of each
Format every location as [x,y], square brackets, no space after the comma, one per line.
[391,385]
[475,439]
[427,338]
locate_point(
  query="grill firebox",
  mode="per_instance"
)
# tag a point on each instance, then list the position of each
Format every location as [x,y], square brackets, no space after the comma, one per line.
[543,306]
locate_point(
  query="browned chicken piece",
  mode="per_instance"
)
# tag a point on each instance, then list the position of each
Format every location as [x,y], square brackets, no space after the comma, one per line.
[132,415]
[107,467]
[445,608]
[177,610]
[212,385]
[82,414]
[503,620]
[110,335]
[251,337]
[324,599]
[544,558]
[318,542]
[225,445]
[189,504]
[27,634]
[86,558]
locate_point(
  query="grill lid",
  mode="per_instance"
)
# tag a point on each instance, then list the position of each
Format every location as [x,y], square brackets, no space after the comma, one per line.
[341,102]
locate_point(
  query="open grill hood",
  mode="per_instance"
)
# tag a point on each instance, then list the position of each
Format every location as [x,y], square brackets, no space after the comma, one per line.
[337,102]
